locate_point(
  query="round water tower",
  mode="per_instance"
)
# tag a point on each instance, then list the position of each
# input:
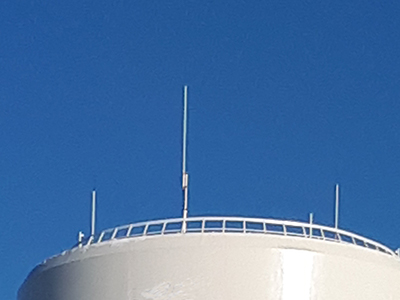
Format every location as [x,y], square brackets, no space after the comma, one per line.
[219,258]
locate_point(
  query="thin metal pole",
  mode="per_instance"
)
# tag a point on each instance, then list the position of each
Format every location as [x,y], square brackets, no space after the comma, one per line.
[311,224]
[80,238]
[337,207]
[185,176]
[93,220]
[184,129]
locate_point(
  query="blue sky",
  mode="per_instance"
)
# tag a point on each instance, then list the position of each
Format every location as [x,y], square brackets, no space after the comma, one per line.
[285,100]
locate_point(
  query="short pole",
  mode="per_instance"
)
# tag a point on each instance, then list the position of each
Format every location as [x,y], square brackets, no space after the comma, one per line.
[80,239]
[93,220]
[337,208]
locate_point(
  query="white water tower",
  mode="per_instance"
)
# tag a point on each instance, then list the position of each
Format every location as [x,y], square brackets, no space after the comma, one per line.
[218,258]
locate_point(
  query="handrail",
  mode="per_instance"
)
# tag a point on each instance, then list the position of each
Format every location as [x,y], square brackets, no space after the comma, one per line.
[227,225]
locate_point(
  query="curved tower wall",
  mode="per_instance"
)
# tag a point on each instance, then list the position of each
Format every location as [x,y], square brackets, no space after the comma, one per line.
[216,266]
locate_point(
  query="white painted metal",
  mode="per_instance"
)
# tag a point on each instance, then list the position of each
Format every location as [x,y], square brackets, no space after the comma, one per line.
[80,238]
[184,129]
[337,207]
[239,225]
[93,219]
[219,258]
[185,176]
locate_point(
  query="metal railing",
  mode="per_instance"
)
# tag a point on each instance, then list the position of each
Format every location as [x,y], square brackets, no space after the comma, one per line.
[226,225]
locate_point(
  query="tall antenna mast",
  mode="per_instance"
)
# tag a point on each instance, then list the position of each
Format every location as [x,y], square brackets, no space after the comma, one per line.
[337,207]
[185,176]
[93,220]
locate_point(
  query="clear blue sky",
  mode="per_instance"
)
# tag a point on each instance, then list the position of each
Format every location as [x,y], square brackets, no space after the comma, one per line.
[285,100]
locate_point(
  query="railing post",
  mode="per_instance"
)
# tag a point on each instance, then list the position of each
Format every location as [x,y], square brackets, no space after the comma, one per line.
[304,231]
[163,228]
[101,236]
[339,238]
[128,232]
[114,233]
[91,239]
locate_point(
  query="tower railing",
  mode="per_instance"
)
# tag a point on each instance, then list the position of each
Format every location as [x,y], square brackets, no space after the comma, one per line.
[238,225]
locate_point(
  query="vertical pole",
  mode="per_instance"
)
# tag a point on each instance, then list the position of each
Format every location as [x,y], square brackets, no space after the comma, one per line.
[184,129]
[185,176]
[337,207]
[80,239]
[93,220]
[311,223]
